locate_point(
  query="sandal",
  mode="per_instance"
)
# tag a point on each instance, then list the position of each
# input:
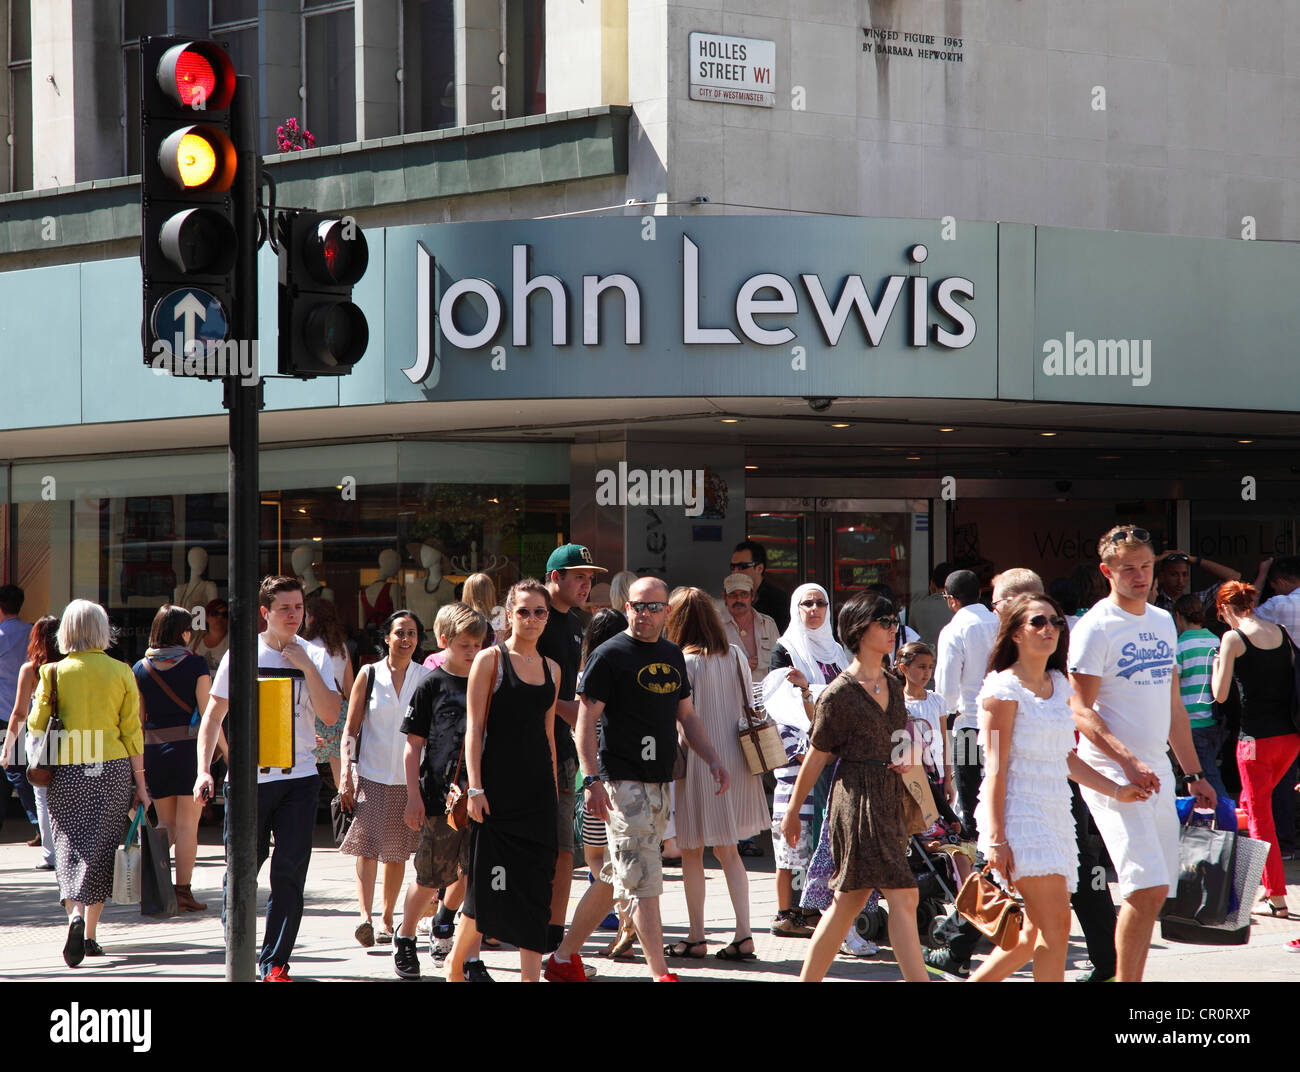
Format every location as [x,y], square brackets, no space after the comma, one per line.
[1268,908]
[685,950]
[385,937]
[622,944]
[365,934]
[732,951]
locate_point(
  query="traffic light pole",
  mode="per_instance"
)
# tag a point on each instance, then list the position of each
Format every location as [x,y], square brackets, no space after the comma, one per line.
[243,401]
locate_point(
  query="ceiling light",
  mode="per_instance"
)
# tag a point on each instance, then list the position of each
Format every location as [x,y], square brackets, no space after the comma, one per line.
[302,509]
[730,420]
[914,457]
[947,429]
[840,425]
[751,467]
[1047,433]
[315,539]
[1245,441]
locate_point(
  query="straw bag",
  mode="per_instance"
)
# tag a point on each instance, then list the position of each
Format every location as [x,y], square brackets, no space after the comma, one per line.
[760,739]
[993,912]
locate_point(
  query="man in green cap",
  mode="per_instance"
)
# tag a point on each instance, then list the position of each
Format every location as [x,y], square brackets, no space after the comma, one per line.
[570,573]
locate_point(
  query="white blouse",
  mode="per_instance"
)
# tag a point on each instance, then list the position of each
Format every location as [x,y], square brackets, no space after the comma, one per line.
[382,742]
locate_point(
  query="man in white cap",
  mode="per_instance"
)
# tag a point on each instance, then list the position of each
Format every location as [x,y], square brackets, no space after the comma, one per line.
[754,632]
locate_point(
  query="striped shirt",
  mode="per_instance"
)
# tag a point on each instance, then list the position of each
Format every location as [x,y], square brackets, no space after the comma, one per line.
[1196,649]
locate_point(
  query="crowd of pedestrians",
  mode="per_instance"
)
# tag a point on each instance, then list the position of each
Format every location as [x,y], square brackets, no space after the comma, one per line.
[513,743]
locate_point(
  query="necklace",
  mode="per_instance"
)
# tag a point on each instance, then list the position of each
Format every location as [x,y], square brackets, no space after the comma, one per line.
[874,689]
[521,655]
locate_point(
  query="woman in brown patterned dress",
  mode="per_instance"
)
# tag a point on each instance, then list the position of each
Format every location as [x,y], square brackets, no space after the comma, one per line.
[857,719]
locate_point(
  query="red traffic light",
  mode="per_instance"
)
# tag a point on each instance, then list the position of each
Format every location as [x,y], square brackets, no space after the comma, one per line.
[197,75]
[336,253]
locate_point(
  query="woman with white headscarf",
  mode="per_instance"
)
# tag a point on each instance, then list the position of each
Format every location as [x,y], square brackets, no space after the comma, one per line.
[804,661]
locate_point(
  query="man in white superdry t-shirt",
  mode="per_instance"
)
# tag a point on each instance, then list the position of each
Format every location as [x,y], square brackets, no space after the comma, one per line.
[1128,707]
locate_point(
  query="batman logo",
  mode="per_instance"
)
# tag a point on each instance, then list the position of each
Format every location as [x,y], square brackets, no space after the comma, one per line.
[661,678]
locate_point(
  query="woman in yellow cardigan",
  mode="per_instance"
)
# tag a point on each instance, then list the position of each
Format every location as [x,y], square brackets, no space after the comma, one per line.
[100,757]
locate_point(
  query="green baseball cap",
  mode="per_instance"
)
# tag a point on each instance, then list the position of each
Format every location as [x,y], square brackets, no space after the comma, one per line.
[571,556]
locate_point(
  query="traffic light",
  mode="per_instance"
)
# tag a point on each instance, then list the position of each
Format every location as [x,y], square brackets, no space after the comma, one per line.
[189,231]
[322,333]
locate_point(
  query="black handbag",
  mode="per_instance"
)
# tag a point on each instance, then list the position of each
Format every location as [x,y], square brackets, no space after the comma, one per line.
[157,894]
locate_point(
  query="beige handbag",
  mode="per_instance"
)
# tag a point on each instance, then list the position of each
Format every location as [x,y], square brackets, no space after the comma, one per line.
[760,738]
[993,912]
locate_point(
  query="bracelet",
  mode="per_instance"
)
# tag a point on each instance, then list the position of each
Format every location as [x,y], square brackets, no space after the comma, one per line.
[997,844]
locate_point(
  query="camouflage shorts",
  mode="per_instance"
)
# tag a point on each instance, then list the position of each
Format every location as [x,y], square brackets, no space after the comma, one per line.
[638,815]
[443,854]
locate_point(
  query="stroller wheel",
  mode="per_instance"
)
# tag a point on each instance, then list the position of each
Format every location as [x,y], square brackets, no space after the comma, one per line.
[930,932]
[924,916]
[872,923]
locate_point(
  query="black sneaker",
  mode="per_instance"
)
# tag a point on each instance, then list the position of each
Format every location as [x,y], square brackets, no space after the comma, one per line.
[941,962]
[93,948]
[476,972]
[406,961]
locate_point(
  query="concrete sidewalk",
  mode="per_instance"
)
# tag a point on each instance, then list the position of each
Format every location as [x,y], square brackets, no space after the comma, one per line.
[33,928]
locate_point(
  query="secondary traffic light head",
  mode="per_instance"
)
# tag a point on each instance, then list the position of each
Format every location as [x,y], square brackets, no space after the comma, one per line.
[190,232]
[322,333]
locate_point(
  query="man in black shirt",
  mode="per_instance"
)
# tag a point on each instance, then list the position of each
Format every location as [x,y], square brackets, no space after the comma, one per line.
[750,557]
[635,687]
[569,577]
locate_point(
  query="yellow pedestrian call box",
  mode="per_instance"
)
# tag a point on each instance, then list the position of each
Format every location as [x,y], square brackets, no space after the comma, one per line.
[277,692]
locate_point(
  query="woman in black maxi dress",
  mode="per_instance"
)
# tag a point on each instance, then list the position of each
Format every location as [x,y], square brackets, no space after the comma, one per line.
[510,762]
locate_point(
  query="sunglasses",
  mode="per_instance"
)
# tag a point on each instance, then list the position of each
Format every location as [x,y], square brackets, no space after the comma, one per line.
[889,622]
[1040,620]
[537,612]
[736,566]
[1177,558]
[642,607]
[810,603]
[1141,535]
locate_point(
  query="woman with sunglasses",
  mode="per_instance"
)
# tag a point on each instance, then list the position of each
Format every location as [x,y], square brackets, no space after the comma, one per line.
[804,660]
[510,765]
[1026,827]
[858,719]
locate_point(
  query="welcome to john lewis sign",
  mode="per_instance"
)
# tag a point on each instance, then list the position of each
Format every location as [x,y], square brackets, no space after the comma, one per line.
[731,305]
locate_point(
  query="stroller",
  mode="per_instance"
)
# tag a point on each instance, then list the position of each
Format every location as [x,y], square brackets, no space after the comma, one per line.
[937,880]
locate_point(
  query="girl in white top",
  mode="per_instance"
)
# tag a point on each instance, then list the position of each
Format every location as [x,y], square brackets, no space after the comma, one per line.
[375,781]
[916,660]
[1026,828]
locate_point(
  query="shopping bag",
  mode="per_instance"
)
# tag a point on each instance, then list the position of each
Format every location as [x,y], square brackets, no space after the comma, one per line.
[1207,865]
[127,865]
[1235,930]
[157,894]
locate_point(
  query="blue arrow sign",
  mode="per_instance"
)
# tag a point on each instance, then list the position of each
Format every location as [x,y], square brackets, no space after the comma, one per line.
[189,315]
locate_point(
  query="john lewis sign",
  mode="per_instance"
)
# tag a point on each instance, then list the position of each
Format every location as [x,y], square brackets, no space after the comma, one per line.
[714,305]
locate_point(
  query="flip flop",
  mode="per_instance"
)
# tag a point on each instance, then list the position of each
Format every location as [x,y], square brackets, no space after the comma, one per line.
[365,934]
[1269,909]
[685,950]
[385,937]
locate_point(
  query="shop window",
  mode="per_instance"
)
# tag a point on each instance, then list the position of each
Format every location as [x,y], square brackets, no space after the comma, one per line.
[20,95]
[428,65]
[329,71]
[359,528]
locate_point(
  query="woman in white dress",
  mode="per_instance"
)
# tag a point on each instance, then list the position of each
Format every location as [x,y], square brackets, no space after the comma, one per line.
[1026,828]
[720,687]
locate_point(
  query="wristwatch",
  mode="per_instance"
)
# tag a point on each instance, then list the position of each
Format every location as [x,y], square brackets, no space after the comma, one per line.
[1190,778]
[589,780]
[472,793]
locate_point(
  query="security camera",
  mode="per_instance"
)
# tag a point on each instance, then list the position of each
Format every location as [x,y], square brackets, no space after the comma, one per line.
[819,405]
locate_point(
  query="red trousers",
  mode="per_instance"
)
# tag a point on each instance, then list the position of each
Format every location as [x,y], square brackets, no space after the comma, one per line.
[1262,761]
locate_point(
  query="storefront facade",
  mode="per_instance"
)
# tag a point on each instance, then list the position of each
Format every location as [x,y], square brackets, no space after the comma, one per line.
[658,322]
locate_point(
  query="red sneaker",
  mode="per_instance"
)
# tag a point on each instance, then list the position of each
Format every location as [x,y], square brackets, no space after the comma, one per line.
[1293,946]
[668,977]
[573,972]
[279,973]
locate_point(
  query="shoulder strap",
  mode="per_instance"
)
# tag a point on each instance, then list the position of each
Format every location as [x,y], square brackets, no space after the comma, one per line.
[158,678]
[54,690]
[455,780]
[746,683]
[370,685]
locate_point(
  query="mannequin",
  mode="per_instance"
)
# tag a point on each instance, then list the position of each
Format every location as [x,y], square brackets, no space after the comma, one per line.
[378,600]
[198,591]
[301,560]
[432,590]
